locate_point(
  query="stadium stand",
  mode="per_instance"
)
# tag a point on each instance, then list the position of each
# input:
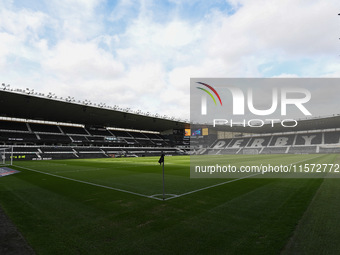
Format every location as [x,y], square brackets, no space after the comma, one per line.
[43,128]
[308,139]
[25,149]
[122,134]
[39,127]
[332,137]
[228,151]
[9,138]
[65,130]
[13,126]
[99,132]
[74,130]
[329,150]
[221,143]
[56,149]
[274,150]
[138,135]
[258,142]
[79,139]
[302,149]
[238,142]
[282,140]
[40,140]
[48,141]
[299,143]
[53,139]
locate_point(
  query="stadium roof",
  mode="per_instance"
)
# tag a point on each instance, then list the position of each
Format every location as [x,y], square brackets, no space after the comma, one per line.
[26,106]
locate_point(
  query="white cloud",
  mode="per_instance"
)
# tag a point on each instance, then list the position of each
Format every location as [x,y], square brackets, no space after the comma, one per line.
[298,28]
[24,24]
[76,20]
[71,49]
[121,10]
[20,30]
[73,61]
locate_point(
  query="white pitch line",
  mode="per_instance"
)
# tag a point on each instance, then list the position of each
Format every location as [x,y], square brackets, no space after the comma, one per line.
[152,196]
[234,180]
[212,186]
[90,183]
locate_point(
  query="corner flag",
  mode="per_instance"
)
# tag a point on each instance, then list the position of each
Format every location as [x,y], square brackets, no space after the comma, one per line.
[161,159]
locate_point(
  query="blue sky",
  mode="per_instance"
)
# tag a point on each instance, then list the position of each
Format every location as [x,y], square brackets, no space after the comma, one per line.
[141,54]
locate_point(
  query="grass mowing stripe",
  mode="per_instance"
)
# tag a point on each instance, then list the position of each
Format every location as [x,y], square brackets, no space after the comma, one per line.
[323,234]
[319,227]
[57,216]
[90,183]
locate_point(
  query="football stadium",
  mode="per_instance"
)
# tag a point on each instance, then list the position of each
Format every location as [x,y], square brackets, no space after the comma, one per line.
[85,179]
[150,127]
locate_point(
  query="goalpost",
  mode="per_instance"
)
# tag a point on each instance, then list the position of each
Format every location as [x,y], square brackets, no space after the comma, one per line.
[6,156]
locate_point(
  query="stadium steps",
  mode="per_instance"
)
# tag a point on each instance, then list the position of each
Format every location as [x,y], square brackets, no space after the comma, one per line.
[214,143]
[75,153]
[29,128]
[87,132]
[294,142]
[61,131]
[288,149]
[104,153]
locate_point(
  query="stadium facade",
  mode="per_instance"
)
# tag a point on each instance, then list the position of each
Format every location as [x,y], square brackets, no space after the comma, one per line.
[46,127]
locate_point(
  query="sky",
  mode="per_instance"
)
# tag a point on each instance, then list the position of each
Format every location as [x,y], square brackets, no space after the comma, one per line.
[142,54]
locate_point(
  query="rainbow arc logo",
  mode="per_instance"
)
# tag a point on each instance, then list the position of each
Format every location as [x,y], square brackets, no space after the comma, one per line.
[209,93]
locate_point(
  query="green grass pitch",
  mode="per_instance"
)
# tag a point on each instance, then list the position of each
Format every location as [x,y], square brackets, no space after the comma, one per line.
[114,206]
